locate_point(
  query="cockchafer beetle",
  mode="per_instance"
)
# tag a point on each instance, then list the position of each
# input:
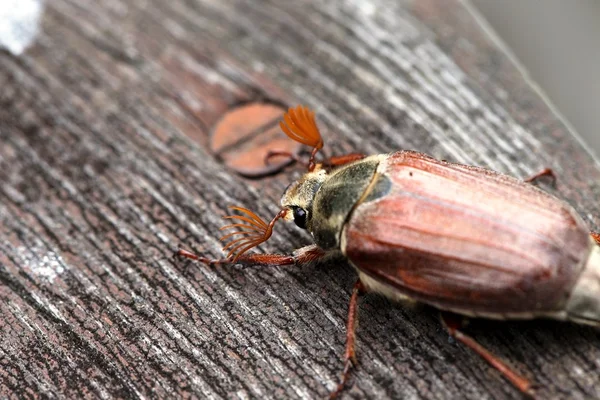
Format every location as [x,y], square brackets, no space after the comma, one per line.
[464,239]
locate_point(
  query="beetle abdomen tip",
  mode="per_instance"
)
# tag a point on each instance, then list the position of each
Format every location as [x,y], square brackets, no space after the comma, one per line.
[583,305]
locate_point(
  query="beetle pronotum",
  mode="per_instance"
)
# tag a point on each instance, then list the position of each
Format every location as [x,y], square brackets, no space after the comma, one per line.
[466,240]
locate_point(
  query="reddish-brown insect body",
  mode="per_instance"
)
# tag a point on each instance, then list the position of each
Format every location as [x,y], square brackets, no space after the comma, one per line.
[463,239]
[467,240]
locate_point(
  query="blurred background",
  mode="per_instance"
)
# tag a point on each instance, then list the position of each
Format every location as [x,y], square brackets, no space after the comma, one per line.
[557,42]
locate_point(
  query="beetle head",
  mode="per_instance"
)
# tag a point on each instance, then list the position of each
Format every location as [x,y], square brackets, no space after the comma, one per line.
[299,124]
[298,197]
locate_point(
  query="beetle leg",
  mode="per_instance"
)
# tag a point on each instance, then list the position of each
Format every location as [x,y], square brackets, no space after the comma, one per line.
[545,172]
[301,256]
[452,323]
[350,354]
[280,153]
[596,237]
[336,161]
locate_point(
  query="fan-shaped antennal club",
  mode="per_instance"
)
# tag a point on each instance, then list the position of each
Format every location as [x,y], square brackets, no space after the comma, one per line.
[299,124]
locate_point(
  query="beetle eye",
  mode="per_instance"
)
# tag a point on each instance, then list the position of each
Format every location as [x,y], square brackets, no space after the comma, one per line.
[300,217]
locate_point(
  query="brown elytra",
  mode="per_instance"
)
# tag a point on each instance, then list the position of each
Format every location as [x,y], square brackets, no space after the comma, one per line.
[467,239]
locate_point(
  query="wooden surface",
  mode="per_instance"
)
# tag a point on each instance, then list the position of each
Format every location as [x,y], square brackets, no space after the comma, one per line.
[104,170]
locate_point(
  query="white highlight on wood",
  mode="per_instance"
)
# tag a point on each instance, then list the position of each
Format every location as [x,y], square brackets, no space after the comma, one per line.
[19,21]
[48,267]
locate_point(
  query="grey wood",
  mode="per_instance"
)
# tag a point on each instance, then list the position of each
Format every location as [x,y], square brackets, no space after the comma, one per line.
[105,170]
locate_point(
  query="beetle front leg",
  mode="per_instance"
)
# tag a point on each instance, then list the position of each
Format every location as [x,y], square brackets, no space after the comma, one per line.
[452,323]
[336,161]
[282,153]
[350,354]
[302,256]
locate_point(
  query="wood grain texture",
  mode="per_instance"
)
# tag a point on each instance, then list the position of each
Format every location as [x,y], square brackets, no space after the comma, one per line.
[105,169]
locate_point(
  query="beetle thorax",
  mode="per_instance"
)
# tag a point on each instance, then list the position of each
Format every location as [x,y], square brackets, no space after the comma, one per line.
[301,193]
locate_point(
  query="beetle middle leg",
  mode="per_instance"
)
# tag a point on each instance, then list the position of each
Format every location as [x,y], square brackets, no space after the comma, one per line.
[350,354]
[452,323]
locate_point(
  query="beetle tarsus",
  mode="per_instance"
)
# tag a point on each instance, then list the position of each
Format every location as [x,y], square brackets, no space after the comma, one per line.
[350,354]
[545,172]
[596,237]
[348,364]
[280,153]
[181,253]
[453,322]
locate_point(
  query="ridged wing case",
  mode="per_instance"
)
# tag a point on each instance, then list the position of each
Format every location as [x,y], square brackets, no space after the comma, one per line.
[465,238]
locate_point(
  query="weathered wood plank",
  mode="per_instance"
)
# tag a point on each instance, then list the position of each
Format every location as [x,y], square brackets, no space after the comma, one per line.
[105,169]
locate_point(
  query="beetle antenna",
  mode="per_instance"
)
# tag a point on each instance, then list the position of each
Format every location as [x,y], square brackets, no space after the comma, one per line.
[299,124]
[254,231]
